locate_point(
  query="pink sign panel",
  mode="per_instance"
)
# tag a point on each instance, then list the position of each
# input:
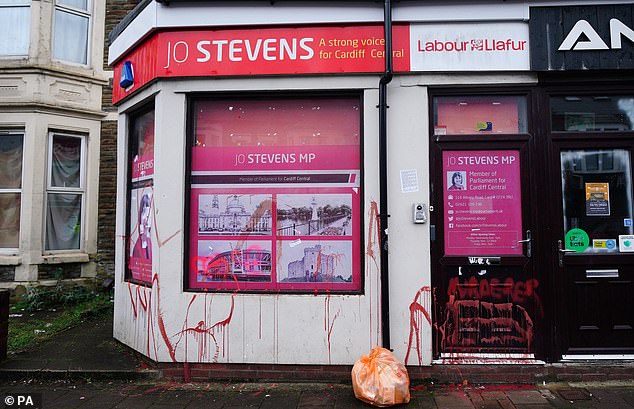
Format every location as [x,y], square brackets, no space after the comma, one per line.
[482,203]
[275,195]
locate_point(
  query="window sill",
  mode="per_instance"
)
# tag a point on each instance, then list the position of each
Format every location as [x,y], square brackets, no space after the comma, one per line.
[10,260]
[65,258]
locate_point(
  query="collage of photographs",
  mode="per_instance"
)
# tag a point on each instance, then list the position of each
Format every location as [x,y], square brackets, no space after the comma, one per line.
[284,238]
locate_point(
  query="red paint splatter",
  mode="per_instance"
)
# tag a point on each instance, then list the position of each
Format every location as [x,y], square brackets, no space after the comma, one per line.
[202,332]
[329,323]
[417,312]
[373,239]
[161,323]
[132,300]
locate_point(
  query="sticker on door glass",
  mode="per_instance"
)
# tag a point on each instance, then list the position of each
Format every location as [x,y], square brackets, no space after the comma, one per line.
[597,199]
[626,243]
[577,240]
[604,244]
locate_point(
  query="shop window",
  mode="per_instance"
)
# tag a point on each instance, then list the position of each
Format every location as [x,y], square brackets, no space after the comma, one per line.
[10,188]
[65,192]
[140,221]
[15,27]
[275,194]
[71,28]
[592,113]
[469,115]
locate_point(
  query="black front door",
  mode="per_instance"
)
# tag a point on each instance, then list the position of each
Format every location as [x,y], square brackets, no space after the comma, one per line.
[485,289]
[592,241]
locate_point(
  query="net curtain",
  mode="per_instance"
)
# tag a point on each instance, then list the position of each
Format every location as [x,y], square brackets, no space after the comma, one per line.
[63,222]
[10,184]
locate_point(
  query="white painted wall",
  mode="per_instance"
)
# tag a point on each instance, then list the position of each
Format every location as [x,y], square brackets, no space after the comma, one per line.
[260,328]
[409,262]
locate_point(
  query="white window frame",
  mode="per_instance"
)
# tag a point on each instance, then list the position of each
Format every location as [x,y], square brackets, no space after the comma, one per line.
[81,190]
[19,4]
[3,133]
[78,12]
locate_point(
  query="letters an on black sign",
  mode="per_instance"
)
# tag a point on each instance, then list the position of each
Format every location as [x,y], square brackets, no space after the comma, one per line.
[582,38]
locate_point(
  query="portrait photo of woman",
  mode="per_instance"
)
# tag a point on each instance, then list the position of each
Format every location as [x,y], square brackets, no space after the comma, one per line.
[456,180]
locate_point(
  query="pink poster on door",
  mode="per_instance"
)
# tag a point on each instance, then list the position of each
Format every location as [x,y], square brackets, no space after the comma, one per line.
[482,203]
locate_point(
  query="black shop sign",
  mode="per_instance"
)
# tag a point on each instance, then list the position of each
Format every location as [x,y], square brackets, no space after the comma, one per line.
[582,37]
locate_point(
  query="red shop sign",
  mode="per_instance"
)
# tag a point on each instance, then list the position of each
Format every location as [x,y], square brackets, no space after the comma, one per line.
[273,51]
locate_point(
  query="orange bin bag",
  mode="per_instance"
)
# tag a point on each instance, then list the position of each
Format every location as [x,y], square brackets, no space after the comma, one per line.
[380,379]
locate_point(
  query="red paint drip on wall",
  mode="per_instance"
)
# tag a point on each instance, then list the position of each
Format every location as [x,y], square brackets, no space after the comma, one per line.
[329,323]
[161,323]
[202,332]
[372,240]
[417,312]
[132,300]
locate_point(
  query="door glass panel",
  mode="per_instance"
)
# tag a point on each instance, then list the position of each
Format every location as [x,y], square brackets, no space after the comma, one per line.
[479,115]
[592,113]
[597,200]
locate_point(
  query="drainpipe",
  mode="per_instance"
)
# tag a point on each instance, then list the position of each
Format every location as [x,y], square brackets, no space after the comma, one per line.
[383,215]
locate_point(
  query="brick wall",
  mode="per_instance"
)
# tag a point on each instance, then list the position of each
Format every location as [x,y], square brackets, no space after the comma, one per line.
[440,374]
[67,271]
[7,273]
[115,11]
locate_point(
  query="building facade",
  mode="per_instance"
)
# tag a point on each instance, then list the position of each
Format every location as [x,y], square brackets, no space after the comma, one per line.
[503,163]
[52,75]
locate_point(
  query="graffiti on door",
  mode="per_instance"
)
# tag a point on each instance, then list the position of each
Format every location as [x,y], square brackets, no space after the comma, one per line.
[487,314]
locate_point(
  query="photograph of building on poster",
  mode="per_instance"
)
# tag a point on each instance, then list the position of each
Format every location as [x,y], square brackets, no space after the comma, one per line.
[314,261]
[232,214]
[314,215]
[140,240]
[225,260]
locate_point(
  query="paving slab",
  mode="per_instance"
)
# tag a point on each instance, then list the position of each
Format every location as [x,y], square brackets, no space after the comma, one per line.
[526,397]
[453,400]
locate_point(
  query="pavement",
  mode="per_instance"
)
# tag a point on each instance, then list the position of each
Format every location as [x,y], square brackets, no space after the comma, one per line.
[85,367]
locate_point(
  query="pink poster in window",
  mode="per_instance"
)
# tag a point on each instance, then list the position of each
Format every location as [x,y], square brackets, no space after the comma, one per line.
[141,185]
[141,229]
[143,159]
[482,203]
[275,195]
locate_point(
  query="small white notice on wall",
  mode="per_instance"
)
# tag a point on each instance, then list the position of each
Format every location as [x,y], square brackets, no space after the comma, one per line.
[409,181]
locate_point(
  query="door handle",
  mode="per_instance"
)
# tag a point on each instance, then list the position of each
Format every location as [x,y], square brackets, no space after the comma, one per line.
[561,250]
[529,243]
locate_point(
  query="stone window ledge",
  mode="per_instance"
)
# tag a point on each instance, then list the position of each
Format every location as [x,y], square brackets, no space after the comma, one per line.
[65,258]
[10,260]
